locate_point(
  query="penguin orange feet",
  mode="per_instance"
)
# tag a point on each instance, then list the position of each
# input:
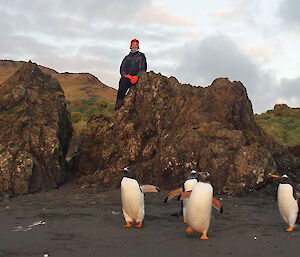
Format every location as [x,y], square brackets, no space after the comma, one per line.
[185,220]
[189,231]
[289,229]
[204,236]
[139,225]
[128,225]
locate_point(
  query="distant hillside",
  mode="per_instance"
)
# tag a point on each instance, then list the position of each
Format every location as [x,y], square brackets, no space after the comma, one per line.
[75,85]
[283,123]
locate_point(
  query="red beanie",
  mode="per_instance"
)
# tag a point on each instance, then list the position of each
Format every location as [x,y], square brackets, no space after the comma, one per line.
[134,41]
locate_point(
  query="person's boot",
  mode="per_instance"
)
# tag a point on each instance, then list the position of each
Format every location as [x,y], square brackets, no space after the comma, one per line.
[119,103]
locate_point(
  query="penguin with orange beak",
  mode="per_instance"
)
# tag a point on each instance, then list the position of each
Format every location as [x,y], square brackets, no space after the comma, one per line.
[199,206]
[132,195]
[288,201]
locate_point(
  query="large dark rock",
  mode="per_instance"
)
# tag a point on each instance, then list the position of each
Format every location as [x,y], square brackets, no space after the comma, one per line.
[165,129]
[35,132]
[295,150]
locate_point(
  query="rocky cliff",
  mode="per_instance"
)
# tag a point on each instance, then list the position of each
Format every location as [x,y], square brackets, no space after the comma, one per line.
[35,132]
[165,129]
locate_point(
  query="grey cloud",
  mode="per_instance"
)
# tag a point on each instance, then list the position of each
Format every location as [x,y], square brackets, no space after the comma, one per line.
[67,21]
[218,56]
[100,51]
[90,10]
[51,26]
[289,12]
[113,10]
[290,88]
[119,32]
[18,45]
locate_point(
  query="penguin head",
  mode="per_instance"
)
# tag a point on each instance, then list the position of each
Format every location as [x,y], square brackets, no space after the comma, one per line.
[285,179]
[193,174]
[128,172]
[204,176]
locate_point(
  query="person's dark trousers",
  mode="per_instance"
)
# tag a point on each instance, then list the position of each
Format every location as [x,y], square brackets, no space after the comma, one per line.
[124,84]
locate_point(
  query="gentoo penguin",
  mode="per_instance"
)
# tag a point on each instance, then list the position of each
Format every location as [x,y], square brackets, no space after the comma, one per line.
[187,186]
[288,201]
[132,196]
[198,209]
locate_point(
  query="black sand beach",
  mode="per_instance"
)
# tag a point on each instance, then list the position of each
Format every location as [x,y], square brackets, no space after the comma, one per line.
[87,222]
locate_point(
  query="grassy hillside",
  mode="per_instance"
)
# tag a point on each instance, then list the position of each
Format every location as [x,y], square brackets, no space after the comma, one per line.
[82,109]
[283,123]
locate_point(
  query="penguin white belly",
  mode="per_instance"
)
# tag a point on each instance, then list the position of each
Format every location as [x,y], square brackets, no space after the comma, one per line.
[132,200]
[199,207]
[188,186]
[288,206]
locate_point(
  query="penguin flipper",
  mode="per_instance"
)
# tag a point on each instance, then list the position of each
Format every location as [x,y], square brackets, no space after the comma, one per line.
[149,189]
[216,204]
[185,194]
[172,194]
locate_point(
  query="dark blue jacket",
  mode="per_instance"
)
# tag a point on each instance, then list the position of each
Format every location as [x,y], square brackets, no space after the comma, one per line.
[133,64]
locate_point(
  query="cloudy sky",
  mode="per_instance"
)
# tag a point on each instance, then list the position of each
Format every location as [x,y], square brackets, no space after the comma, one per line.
[254,41]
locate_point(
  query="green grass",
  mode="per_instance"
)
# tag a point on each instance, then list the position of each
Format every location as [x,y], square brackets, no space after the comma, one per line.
[82,109]
[283,123]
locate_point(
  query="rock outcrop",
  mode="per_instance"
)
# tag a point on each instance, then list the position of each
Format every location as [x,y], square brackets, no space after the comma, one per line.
[165,129]
[35,132]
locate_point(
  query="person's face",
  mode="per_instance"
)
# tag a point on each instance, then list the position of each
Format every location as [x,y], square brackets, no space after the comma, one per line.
[134,46]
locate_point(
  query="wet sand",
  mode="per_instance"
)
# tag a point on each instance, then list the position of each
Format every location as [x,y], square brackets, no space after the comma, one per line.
[89,222]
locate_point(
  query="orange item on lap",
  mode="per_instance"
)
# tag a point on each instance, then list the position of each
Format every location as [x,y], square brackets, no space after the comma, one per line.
[134,79]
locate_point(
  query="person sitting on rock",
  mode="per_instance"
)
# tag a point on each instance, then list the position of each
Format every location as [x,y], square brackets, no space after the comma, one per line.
[133,65]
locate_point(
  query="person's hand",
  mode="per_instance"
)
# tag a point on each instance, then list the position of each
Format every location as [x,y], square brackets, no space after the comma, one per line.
[134,79]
